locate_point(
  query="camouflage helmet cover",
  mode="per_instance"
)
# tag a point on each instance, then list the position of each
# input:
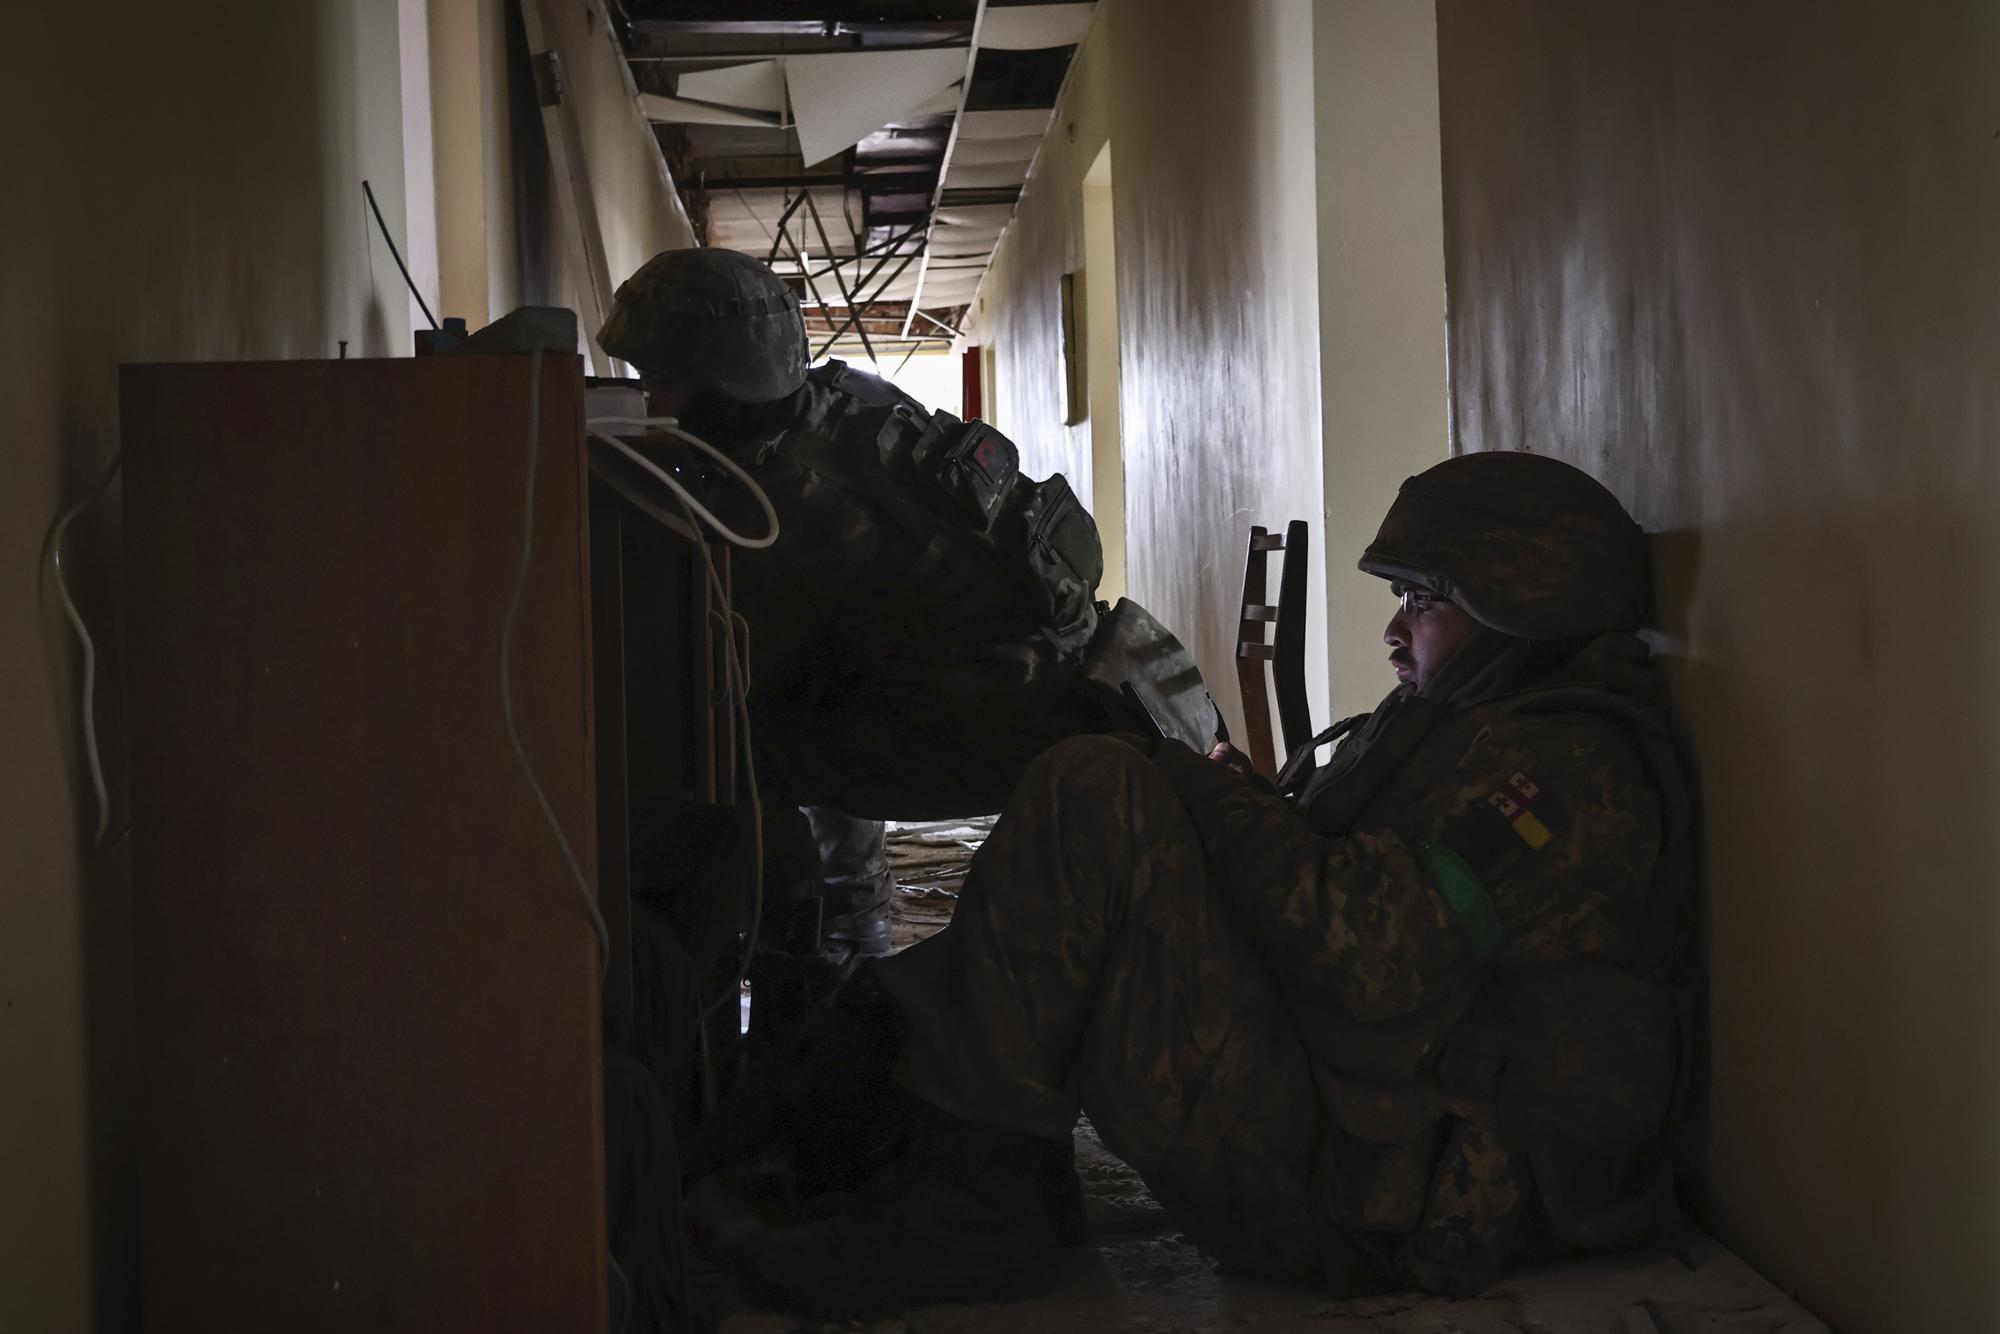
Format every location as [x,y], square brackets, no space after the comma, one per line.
[717,319]
[1525,544]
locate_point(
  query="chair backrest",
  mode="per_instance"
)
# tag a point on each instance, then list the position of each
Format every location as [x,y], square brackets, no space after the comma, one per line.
[1285,651]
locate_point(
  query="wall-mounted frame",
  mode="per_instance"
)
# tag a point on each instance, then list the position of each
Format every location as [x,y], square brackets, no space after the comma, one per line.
[1075,397]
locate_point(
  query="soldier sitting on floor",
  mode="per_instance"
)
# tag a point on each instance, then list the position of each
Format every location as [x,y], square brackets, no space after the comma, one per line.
[1409,1025]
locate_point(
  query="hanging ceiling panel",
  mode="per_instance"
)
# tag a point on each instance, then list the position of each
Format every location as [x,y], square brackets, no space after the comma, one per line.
[871,150]
[1021,122]
[979,176]
[983,152]
[758,85]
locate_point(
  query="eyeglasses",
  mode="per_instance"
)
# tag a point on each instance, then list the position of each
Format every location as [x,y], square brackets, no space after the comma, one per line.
[1417,601]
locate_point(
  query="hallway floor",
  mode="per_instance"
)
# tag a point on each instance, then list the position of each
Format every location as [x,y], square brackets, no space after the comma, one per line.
[1137,1275]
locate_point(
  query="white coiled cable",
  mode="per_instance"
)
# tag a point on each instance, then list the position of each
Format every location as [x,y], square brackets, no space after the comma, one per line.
[735,630]
[671,426]
[53,547]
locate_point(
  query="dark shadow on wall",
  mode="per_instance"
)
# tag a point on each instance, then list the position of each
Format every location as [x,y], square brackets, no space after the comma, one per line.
[89,555]
[214,243]
[533,202]
[1675,559]
[96,584]
[238,239]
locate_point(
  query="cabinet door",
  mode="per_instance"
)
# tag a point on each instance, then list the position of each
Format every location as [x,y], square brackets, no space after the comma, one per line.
[368,984]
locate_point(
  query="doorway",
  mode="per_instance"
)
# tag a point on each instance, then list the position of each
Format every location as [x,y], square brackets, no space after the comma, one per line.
[1100,318]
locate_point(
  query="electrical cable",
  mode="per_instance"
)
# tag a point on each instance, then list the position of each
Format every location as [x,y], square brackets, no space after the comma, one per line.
[736,636]
[735,996]
[672,427]
[396,255]
[736,657]
[52,545]
[736,633]
[624,1286]
[732,669]
[507,680]
[736,630]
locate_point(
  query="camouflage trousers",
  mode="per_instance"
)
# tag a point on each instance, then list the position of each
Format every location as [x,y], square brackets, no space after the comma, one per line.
[1090,966]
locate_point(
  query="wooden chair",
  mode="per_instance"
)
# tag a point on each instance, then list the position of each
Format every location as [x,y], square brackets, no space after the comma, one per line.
[1285,652]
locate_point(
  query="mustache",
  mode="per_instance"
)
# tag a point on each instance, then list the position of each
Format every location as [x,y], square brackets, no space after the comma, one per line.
[1402,657]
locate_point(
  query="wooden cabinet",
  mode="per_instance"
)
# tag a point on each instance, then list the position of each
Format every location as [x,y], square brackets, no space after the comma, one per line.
[369,988]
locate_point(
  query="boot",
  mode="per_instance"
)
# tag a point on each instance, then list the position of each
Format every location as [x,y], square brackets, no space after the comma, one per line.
[855,884]
[965,1215]
[864,933]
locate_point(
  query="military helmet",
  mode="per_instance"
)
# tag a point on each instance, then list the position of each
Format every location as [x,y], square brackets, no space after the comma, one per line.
[716,319]
[1522,543]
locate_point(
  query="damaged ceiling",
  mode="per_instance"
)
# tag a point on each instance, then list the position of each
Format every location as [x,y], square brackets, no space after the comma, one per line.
[870,150]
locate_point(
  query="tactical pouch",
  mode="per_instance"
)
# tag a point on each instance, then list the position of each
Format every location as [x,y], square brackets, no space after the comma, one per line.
[975,470]
[1134,662]
[872,390]
[1064,556]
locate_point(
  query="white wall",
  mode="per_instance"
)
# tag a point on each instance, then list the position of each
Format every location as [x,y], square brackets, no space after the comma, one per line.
[1381,305]
[1280,281]
[480,228]
[1210,113]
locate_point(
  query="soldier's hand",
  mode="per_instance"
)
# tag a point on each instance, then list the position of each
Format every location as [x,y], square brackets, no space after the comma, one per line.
[1230,757]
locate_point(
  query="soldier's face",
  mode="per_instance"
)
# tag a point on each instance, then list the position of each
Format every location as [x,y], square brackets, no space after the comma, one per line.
[665,398]
[1422,639]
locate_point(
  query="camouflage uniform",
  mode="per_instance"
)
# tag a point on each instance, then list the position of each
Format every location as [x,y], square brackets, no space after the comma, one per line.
[901,665]
[1417,1021]
[909,653]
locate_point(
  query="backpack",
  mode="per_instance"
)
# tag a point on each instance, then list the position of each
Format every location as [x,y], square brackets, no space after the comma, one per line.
[935,474]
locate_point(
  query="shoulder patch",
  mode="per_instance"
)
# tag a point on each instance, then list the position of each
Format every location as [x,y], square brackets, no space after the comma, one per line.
[1535,815]
[1516,818]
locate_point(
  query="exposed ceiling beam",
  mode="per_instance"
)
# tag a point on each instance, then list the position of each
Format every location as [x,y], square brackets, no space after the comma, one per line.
[826,248]
[926,315]
[941,32]
[900,187]
[974,198]
[916,182]
[858,316]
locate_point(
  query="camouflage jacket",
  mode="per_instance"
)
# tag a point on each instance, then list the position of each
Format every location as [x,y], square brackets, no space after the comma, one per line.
[912,529]
[1483,966]
[905,658]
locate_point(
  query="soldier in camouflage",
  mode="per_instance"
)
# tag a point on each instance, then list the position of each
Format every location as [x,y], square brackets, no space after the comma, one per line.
[1419,1020]
[916,633]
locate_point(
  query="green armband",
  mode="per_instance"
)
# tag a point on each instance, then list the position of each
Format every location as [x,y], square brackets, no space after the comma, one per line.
[1468,898]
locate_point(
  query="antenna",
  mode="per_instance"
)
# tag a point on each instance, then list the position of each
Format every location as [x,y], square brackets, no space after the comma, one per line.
[397,255]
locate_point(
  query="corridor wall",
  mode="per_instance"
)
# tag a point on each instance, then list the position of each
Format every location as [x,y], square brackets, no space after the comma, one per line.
[186,185]
[1216,256]
[1740,262]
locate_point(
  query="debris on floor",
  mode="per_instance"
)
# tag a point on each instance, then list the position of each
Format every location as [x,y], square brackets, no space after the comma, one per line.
[928,860]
